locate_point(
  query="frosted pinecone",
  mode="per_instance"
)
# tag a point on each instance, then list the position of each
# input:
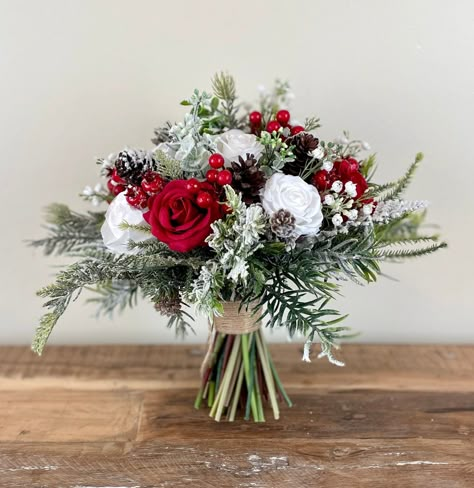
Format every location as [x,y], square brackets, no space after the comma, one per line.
[282,224]
[132,164]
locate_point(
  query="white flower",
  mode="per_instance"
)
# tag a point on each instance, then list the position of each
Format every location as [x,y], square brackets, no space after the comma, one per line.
[336,186]
[235,143]
[328,165]
[352,214]
[318,153]
[295,195]
[341,140]
[365,145]
[329,199]
[351,189]
[115,237]
[88,191]
[367,208]
[337,220]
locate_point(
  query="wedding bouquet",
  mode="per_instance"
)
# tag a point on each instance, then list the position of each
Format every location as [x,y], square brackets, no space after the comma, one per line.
[245,215]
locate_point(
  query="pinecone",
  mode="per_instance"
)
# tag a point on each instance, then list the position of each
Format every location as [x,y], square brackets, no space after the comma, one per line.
[248,178]
[303,143]
[132,164]
[282,224]
[168,306]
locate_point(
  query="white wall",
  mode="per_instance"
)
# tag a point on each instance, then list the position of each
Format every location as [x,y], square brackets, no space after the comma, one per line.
[80,78]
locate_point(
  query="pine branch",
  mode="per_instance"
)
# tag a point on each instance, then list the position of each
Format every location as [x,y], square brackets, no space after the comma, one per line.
[392,254]
[69,231]
[398,187]
[223,86]
[113,295]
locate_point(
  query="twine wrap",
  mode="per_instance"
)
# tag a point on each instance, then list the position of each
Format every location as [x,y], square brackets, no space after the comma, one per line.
[232,323]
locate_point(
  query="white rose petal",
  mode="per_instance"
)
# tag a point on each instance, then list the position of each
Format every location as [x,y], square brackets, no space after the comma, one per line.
[115,237]
[295,195]
[235,143]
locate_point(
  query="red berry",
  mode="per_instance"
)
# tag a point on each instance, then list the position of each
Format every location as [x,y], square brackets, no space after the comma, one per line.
[116,177]
[283,116]
[321,179]
[204,199]
[115,188]
[224,177]
[152,182]
[273,125]
[193,185]
[354,165]
[255,118]
[216,161]
[297,129]
[136,197]
[226,208]
[212,175]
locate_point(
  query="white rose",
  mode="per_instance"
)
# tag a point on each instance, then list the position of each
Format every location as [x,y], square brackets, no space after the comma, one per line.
[115,237]
[235,143]
[295,195]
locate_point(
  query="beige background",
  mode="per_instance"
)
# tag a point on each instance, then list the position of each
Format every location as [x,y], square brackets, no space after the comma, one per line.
[84,78]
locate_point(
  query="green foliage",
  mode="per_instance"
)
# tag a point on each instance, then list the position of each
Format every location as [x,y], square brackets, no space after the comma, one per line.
[395,189]
[311,123]
[223,86]
[70,231]
[168,168]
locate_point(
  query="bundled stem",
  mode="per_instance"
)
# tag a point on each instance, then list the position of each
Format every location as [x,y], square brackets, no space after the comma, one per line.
[240,373]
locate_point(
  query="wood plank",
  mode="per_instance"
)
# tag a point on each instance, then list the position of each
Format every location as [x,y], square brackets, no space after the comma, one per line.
[395,367]
[69,416]
[122,416]
[352,413]
[225,463]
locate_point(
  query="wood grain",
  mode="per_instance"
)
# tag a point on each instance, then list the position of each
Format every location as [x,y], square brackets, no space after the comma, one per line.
[122,416]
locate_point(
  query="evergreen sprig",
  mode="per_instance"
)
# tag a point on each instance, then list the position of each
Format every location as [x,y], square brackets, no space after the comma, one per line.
[69,231]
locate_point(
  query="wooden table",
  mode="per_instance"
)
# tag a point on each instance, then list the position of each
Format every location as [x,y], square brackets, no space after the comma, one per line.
[122,416]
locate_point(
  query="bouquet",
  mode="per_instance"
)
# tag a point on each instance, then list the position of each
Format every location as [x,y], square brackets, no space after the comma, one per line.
[248,217]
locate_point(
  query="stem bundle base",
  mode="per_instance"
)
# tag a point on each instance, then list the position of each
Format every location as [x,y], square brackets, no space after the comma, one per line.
[241,377]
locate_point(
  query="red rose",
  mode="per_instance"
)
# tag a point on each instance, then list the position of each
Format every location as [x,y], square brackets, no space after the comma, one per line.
[177,220]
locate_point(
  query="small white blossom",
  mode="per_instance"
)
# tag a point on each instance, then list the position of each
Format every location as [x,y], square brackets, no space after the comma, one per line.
[88,191]
[341,140]
[318,153]
[337,220]
[367,208]
[329,199]
[352,214]
[337,186]
[351,189]
[328,165]
[261,89]
[365,145]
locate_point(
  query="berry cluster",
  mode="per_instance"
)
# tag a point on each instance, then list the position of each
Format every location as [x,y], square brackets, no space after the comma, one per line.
[137,195]
[216,176]
[342,187]
[282,119]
